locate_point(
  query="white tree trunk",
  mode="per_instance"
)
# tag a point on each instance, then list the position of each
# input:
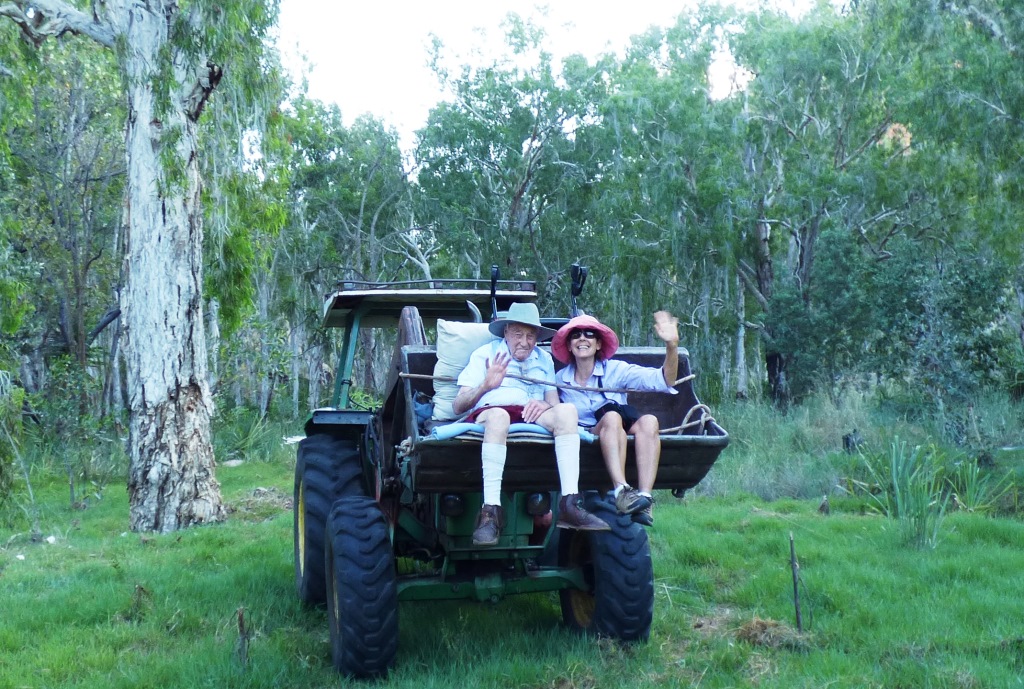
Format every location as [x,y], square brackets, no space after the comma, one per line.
[213,340]
[171,479]
[741,341]
[171,482]
[296,339]
[315,371]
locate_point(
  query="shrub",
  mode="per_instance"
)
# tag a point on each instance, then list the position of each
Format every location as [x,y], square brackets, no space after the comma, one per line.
[909,488]
[974,490]
[10,425]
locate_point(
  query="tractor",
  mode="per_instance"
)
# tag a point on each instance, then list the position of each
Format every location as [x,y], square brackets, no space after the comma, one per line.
[385,499]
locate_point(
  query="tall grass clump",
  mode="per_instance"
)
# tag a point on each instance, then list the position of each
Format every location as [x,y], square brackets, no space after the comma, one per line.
[909,487]
[974,490]
[775,454]
[243,433]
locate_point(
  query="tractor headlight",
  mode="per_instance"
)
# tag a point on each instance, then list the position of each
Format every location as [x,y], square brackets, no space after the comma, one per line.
[538,504]
[452,505]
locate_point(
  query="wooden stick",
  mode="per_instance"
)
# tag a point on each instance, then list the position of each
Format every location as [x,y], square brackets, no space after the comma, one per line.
[796,585]
[243,638]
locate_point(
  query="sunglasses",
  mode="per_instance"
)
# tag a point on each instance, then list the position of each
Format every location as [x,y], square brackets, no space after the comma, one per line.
[577,334]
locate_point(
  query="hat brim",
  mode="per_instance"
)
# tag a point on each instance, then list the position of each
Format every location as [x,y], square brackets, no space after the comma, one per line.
[497,329]
[560,342]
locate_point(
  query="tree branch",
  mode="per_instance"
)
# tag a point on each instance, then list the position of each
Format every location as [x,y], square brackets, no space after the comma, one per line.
[42,19]
[747,276]
[989,23]
[204,86]
[871,140]
[109,317]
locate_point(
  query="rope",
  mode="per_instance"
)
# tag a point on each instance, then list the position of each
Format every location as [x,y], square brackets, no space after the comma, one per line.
[560,386]
[701,423]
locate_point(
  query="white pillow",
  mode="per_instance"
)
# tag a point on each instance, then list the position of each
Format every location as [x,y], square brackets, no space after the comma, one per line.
[456,341]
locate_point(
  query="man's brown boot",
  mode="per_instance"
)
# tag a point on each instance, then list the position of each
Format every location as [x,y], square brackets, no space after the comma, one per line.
[571,515]
[488,525]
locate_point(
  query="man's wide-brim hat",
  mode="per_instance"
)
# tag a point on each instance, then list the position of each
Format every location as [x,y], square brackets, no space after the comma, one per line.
[560,343]
[527,314]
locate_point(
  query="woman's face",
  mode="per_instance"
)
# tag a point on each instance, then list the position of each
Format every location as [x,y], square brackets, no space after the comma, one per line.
[584,343]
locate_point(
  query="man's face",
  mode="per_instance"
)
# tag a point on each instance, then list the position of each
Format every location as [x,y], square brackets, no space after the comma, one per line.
[521,339]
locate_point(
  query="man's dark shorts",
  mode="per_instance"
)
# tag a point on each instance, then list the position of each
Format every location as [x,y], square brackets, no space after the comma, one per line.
[515,412]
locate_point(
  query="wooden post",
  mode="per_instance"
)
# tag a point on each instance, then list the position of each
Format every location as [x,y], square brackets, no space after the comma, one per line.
[243,638]
[796,583]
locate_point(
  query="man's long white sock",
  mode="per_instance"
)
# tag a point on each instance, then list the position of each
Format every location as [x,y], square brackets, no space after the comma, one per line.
[567,453]
[492,456]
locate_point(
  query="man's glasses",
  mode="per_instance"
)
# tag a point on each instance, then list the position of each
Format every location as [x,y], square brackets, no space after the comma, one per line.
[577,334]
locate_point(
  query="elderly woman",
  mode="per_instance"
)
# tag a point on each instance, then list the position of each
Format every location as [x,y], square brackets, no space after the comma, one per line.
[586,345]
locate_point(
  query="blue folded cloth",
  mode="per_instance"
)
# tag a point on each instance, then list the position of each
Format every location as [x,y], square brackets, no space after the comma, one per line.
[453,430]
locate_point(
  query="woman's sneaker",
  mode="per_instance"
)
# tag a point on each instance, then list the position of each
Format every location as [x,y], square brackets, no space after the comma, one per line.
[630,501]
[645,516]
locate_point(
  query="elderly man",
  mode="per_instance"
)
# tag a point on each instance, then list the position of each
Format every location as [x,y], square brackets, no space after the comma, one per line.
[496,400]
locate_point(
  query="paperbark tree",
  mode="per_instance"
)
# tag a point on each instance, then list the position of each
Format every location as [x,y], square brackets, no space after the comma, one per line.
[164,52]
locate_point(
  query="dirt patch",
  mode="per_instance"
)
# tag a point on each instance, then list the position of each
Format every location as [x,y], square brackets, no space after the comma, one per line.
[770,634]
[715,624]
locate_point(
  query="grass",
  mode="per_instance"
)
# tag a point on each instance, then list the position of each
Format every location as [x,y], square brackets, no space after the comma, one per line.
[102,607]
[90,604]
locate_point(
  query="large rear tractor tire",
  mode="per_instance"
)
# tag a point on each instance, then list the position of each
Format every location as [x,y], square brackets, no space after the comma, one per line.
[362,599]
[617,566]
[326,468]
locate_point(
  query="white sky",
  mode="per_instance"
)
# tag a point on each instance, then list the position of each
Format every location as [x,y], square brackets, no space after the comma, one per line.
[371,55]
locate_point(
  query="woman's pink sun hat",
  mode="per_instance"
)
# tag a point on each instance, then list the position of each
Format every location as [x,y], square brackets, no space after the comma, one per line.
[560,342]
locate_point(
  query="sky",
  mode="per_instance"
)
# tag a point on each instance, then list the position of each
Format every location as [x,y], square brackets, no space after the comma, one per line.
[371,55]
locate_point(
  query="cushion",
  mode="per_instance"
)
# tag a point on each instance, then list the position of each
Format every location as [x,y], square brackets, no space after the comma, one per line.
[456,341]
[516,431]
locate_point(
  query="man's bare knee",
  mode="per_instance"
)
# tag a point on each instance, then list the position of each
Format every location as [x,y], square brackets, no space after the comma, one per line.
[496,423]
[560,419]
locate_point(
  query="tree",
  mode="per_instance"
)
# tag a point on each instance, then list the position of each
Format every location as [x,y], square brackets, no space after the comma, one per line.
[172,58]
[501,173]
[66,143]
[827,157]
[351,220]
[659,222]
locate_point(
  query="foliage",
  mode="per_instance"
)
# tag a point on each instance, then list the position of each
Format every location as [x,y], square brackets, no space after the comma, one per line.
[909,487]
[850,214]
[502,167]
[65,148]
[244,434]
[975,490]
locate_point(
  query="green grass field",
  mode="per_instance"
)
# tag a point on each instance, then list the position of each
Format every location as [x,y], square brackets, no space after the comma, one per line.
[86,603]
[91,605]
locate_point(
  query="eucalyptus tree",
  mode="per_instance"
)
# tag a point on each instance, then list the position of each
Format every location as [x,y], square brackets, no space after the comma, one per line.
[826,156]
[66,143]
[660,215]
[172,58]
[964,92]
[350,219]
[499,163]
[975,50]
